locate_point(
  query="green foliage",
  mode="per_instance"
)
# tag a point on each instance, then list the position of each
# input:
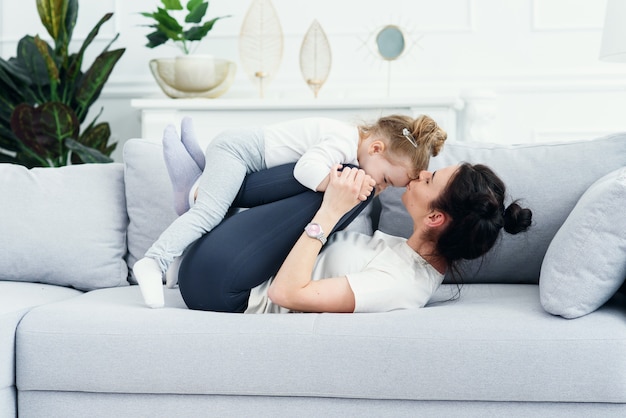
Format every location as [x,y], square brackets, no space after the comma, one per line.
[167,27]
[45,96]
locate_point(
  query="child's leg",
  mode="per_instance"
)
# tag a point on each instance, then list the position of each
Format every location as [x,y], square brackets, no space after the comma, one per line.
[219,270]
[229,157]
[181,167]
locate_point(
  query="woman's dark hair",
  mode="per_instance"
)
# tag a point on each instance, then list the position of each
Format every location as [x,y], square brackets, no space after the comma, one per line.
[474,200]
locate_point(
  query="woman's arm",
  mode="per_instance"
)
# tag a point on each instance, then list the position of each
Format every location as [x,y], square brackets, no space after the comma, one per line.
[292,286]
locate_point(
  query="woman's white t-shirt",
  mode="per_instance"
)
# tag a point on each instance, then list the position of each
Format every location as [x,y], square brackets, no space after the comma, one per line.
[384,273]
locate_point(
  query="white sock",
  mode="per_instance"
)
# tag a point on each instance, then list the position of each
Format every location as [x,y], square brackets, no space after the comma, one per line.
[171,275]
[150,280]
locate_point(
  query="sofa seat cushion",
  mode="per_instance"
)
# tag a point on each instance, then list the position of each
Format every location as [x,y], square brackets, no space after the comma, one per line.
[17,298]
[495,343]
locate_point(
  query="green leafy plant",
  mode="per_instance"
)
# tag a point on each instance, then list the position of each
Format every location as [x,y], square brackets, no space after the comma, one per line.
[183,33]
[45,96]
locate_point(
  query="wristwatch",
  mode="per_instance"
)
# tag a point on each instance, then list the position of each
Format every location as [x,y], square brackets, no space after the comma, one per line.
[314,230]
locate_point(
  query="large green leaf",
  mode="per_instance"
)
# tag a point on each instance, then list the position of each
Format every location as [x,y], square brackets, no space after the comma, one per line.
[59,18]
[197,10]
[22,79]
[77,59]
[31,60]
[97,136]
[196,33]
[6,108]
[8,79]
[44,128]
[8,141]
[52,15]
[71,17]
[86,154]
[94,79]
[156,38]
[53,71]
[172,4]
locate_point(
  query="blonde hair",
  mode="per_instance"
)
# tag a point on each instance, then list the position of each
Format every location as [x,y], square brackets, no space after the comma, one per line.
[424,130]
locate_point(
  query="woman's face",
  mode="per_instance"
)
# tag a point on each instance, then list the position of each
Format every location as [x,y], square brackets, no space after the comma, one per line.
[426,188]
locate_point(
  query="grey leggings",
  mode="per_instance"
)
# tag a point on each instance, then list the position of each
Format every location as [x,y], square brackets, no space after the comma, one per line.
[229,158]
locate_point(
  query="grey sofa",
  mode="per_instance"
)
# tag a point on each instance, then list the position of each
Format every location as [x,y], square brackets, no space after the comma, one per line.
[76,340]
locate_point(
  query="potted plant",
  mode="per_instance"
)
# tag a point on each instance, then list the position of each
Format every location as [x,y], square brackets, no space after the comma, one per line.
[45,96]
[189,74]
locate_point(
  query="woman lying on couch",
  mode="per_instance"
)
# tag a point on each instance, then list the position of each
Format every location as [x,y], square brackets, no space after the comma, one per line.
[260,260]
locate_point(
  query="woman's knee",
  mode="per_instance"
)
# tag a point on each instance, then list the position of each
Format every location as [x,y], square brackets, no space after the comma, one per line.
[208,292]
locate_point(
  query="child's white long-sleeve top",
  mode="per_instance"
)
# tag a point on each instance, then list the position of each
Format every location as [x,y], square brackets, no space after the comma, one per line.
[315,143]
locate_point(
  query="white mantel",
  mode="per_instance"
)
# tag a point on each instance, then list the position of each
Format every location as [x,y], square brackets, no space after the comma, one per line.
[212,116]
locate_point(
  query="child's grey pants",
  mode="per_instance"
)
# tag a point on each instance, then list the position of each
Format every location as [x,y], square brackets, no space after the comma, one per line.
[229,157]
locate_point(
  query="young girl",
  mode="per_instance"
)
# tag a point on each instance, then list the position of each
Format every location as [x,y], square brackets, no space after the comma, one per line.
[392,151]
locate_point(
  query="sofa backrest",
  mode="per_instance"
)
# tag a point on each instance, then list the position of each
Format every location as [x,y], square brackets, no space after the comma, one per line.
[549,178]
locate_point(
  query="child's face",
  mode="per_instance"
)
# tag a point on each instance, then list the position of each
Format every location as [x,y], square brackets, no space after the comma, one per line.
[384,172]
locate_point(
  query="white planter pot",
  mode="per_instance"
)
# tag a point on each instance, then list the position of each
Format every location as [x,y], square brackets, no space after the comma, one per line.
[194,73]
[184,78]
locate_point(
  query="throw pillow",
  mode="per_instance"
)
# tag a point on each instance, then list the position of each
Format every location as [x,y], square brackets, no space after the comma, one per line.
[586,261]
[64,226]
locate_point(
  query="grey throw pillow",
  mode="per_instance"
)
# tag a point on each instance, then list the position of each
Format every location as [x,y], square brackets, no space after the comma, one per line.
[64,226]
[586,261]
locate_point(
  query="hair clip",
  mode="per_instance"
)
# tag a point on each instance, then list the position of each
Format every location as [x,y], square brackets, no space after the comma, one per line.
[409,137]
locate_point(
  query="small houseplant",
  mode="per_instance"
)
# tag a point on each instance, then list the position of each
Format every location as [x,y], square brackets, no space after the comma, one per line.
[183,32]
[45,96]
[189,74]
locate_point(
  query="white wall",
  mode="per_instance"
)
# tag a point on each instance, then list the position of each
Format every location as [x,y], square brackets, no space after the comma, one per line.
[529,68]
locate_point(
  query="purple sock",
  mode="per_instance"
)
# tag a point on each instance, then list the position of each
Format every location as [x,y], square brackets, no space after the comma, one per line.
[188,137]
[181,167]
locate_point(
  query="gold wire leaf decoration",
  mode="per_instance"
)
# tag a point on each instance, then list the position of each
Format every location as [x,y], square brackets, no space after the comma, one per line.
[315,57]
[261,43]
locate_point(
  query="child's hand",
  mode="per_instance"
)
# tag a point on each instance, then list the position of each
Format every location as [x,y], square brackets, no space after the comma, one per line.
[367,188]
[345,189]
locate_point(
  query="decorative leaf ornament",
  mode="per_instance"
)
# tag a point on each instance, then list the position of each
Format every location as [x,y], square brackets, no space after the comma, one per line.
[315,57]
[261,43]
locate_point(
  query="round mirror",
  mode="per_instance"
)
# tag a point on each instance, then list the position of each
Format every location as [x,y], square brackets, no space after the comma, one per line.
[390,42]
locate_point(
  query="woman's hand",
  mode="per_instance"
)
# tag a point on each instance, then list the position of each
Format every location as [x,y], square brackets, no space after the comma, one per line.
[346,188]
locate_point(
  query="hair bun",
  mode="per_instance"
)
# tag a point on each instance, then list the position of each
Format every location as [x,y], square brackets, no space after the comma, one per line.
[517,219]
[426,129]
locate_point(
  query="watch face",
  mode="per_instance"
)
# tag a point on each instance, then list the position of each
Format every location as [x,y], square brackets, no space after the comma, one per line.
[313,229]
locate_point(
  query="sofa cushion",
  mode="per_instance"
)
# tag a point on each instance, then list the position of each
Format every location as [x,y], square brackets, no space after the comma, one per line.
[17,298]
[586,261]
[549,178]
[64,226]
[495,343]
